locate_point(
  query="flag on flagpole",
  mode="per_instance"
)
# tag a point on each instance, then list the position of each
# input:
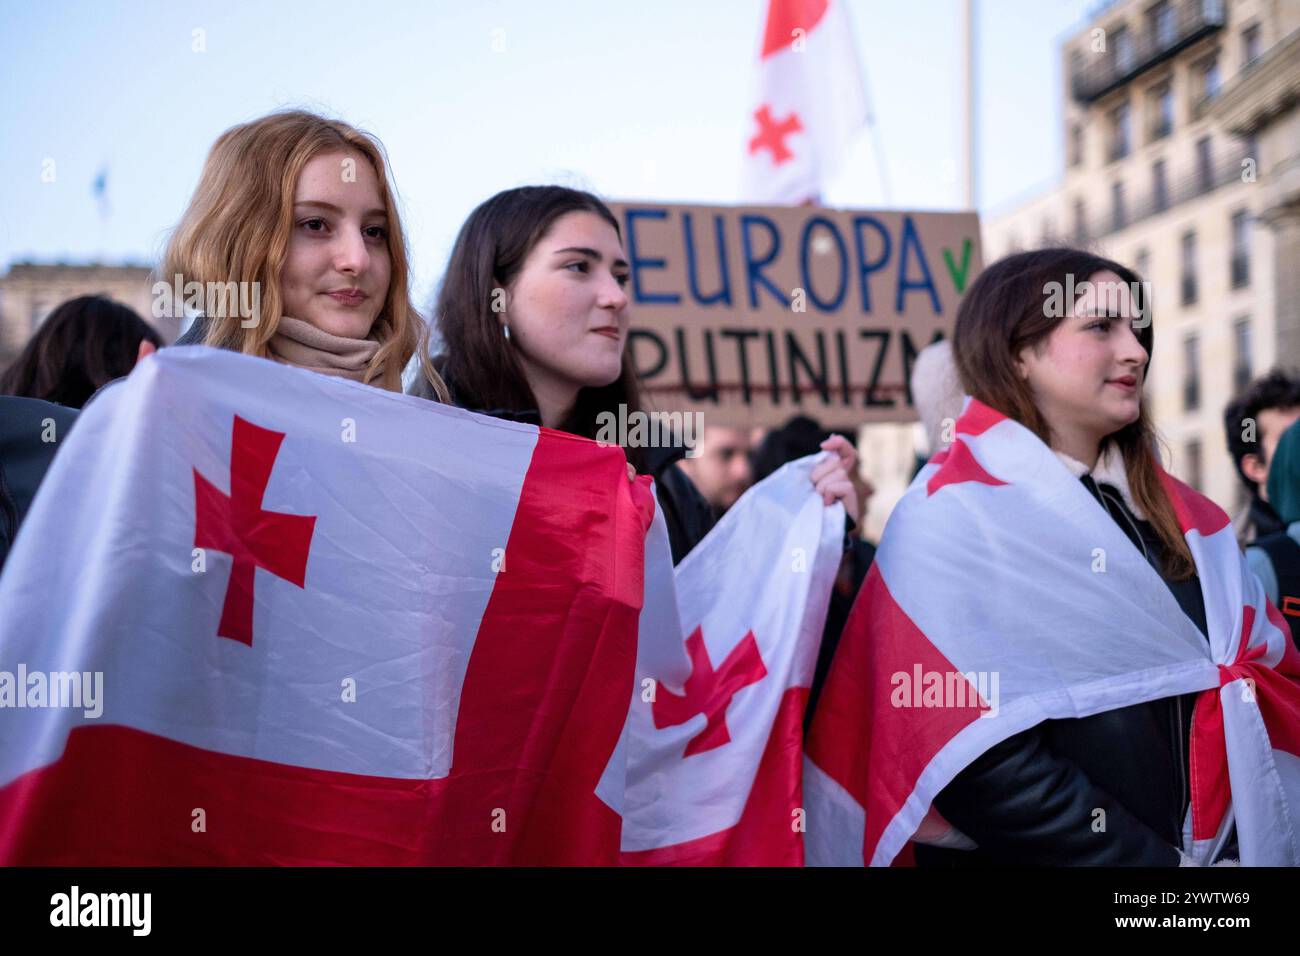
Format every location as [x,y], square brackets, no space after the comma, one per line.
[810,102]
[99,189]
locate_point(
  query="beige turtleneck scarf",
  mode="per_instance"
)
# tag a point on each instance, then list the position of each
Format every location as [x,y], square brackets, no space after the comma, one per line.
[302,344]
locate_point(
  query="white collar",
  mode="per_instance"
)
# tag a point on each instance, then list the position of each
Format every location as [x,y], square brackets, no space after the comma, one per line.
[1108,470]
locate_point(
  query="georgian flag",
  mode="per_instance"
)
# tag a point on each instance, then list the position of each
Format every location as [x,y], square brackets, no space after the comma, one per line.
[810,101]
[335,625]
[715,732]
[997,561]
[313,622]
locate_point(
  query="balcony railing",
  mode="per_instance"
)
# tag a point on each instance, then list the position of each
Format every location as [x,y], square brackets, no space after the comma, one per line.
[1197,181]
[1099,73]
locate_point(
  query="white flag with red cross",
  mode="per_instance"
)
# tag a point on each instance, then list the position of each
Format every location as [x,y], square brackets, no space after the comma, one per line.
[715,733]
[328,624]
[1006,629]
[257,615]
[810,102]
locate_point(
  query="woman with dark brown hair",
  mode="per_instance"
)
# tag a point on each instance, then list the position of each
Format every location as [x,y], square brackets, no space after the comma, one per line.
[1059,340]
[84,343]
[534,321]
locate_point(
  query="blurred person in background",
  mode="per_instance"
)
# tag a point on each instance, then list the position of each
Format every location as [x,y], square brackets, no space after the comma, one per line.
[85,343]
[937,395]
[1253,423]
[719,467]
[1275,557]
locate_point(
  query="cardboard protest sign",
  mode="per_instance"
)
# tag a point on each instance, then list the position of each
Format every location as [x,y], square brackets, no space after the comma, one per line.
[752,314]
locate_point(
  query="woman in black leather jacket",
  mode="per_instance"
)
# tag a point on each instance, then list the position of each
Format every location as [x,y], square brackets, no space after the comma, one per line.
[1111,788]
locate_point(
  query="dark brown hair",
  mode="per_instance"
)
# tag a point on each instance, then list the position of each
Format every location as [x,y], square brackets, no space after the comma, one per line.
[1278,389]
[1004,311]
[85,343]
[479,363]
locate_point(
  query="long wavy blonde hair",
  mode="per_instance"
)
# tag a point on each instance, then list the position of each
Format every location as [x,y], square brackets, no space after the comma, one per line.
[238,224]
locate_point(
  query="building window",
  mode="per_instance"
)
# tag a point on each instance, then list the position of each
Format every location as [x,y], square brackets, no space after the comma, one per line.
[1240,249]
[1204,166]
[1122,43]
[1161,23]
[1210,80]
[1118,218]
[1191,373]
[1080,223]
[1193,449]
[1160,105]
[1076,145]
[1188,282]
[1119,131]
[1243,368]
[1250,148]
[1159,186]
[1249,45]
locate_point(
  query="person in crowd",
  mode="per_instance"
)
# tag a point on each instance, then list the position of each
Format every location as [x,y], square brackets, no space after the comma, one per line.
[937,395]
[798,437]
[719,465]
[84,343]
[533,315]
[31,432]
[296,213]
[1275,557]
[1074,378]
[1253,422]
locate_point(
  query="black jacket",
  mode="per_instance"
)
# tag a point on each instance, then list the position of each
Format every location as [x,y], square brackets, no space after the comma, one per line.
[688,516]
[686,513]
[31,431]
[854,566]
[1033,799]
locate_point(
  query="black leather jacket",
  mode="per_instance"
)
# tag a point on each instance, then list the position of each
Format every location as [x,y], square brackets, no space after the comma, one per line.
[1034,798]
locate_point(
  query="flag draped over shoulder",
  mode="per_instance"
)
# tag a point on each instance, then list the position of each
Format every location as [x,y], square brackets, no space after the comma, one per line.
[989,568]
[330,624]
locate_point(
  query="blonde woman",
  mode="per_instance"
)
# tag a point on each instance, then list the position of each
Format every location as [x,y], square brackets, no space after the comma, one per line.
[293,245]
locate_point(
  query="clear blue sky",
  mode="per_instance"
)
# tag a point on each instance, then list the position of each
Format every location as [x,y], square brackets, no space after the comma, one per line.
[631,98]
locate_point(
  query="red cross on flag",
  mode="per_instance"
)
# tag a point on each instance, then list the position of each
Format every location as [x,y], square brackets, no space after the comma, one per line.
[809,103]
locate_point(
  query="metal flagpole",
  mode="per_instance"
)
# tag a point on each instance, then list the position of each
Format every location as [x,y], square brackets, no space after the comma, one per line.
[968,100]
